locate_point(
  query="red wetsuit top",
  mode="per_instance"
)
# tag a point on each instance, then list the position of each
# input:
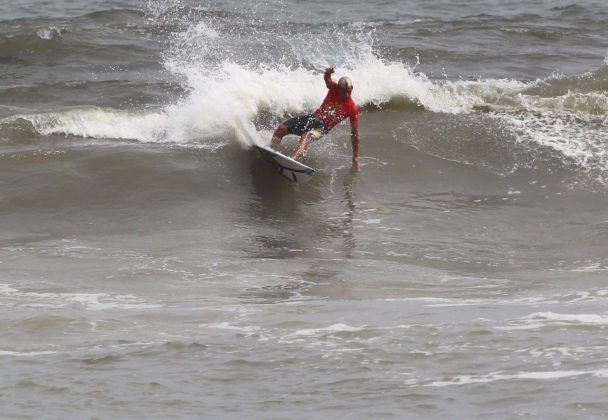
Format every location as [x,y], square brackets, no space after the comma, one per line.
[333,109]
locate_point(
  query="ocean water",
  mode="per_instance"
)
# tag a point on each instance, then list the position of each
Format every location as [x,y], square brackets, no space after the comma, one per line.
[151,266]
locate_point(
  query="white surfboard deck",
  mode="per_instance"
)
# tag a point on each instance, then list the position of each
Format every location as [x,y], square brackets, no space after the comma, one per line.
[286,166]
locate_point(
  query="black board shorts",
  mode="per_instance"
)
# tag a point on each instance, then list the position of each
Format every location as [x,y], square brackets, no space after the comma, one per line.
[306,124]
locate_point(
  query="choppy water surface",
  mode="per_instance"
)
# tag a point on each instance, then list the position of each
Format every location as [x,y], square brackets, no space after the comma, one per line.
[149,265]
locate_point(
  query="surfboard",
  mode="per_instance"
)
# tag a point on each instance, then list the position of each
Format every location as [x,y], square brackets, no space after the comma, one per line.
[286,166]
[291,169]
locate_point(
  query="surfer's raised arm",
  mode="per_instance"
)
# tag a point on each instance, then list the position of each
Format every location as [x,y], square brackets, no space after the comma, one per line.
[327,77]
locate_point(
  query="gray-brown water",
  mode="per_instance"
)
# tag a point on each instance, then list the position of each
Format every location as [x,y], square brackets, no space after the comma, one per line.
[150,266]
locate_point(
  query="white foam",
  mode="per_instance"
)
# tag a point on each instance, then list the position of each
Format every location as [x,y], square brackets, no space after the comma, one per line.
[592,103]
[590,319]
[563,352]
[543,319]
[6,289]
[90,301]
[446,302]
[228,326]
[103,301]
[578,137]
[501,376]
[526,327]
[335,328]
[50,33]
[595,267]
[101,123]
[25,354]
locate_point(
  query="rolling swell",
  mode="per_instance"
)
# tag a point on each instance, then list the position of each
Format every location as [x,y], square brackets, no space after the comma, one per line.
[595,81]
[116,32]
[17,46]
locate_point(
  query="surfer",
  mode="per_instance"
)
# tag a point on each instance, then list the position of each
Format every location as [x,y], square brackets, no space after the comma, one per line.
[337,106]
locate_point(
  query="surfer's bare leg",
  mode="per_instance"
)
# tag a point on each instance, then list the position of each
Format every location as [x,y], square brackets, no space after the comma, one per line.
[305,142]
[278,135]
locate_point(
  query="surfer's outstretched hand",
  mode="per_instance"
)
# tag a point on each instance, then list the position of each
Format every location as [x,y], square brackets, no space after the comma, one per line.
[330,70]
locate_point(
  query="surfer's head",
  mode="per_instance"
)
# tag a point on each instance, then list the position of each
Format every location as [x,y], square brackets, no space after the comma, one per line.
[345,87]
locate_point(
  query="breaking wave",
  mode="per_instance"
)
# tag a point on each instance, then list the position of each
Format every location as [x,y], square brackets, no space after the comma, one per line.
[232,66]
